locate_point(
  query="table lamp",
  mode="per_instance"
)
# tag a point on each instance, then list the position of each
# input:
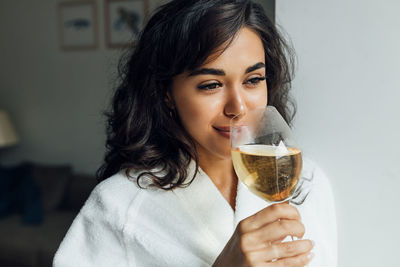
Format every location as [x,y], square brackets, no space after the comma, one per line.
[8,136]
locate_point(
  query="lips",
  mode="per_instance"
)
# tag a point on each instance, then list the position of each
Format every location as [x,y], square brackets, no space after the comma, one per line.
[223,130]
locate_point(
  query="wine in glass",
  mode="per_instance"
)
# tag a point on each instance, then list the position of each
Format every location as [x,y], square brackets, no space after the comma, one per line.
[266,157]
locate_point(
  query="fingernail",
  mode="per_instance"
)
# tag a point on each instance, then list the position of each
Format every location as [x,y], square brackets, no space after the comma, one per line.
[310,256]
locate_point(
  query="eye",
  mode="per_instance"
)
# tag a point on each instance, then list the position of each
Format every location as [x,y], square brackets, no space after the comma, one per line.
[255,81]
[210,86]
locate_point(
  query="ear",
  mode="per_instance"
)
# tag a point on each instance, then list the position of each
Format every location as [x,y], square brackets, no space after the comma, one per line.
[169,101]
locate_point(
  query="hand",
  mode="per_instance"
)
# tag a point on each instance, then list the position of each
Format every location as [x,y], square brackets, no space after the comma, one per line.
[257,240]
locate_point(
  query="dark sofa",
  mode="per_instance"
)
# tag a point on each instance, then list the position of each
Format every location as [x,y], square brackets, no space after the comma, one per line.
[26,242]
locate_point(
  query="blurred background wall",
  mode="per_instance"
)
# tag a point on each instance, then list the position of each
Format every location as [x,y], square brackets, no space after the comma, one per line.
[348,88]
[56,98]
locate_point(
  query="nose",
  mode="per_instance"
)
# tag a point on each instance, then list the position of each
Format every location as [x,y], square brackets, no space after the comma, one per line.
[235,104]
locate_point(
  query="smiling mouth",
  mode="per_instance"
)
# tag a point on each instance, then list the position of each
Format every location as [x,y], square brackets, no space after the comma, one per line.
[224,131]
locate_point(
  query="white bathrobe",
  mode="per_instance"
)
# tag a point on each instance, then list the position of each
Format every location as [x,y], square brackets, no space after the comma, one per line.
[122,225]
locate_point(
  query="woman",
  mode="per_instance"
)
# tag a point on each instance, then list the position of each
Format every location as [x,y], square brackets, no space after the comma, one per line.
[170,196]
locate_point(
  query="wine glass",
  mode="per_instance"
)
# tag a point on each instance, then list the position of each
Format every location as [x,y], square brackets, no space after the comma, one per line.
[266,157]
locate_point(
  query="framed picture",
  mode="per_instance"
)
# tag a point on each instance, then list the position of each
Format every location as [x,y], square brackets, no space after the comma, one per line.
[78,25]
[124,21]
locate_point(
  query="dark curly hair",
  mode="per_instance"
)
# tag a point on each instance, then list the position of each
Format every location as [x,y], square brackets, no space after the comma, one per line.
[142,136]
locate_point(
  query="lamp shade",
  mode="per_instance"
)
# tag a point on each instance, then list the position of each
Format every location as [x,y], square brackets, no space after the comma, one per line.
[8,135]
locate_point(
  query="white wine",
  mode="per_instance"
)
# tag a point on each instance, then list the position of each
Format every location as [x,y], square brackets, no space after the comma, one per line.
[268,171]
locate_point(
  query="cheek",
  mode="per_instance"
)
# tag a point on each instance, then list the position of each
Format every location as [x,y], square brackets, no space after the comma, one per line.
[257,99]
[189,113]
[196,113]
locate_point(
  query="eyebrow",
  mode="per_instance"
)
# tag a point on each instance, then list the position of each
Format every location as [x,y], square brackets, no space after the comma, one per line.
[205,71]
[219,72]
[256,66]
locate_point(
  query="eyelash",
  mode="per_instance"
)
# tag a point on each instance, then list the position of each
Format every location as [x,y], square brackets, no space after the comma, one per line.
[255,80]
[213,86]
[210,86]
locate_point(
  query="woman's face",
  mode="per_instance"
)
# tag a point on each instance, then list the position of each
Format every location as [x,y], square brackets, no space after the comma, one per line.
[208,97]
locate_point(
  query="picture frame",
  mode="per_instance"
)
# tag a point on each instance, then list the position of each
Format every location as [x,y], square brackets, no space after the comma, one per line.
[124,19]
[78,25]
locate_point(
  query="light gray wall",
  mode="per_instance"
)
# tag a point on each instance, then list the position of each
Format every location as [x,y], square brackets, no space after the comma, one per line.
[348,88]
[55,98]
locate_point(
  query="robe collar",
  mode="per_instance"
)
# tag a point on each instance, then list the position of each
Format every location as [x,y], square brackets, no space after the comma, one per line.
[205,203]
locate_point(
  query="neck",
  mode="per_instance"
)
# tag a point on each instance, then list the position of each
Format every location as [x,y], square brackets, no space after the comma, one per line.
[222,174]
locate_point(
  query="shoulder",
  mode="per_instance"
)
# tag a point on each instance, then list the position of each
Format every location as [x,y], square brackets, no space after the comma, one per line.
[321,196]
[112,198]
[96,237]
[320,214]
[118,187]
[313,171]
[317,183]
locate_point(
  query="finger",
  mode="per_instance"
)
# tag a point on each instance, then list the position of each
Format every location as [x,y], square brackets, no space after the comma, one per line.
[279,251]
[279,230]
[270,233]
[291,249]
[278,240]
[296,261]
[269,214]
